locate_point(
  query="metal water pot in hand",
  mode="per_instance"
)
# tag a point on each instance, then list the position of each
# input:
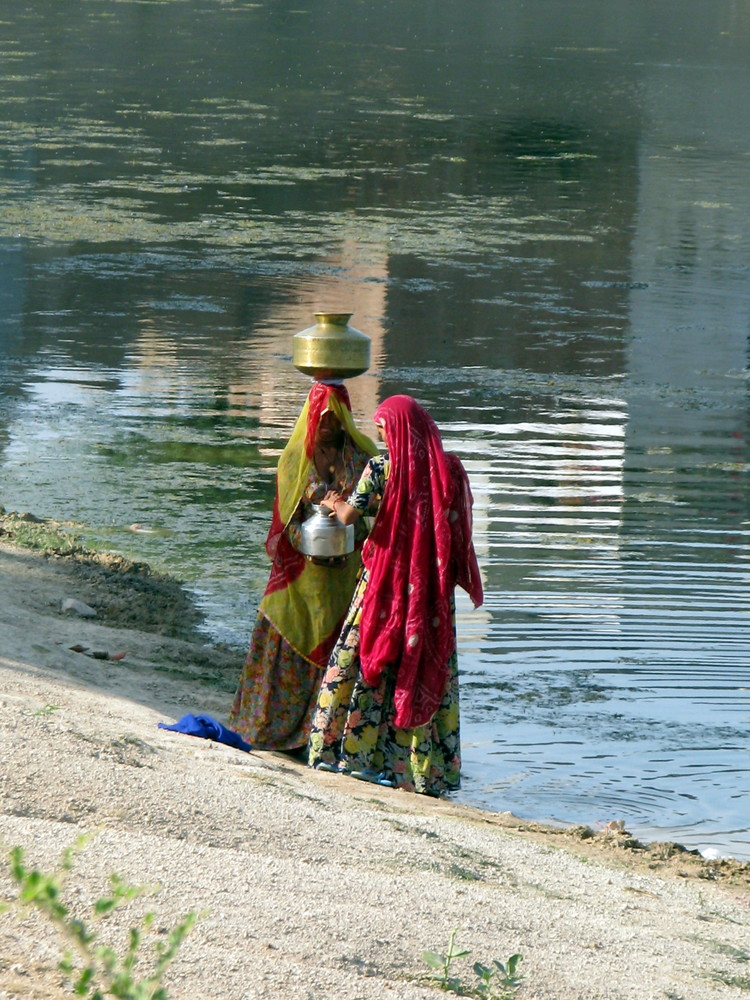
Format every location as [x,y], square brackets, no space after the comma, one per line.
[325,537]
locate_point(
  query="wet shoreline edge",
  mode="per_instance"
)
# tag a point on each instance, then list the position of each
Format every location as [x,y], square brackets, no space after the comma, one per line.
[172,613]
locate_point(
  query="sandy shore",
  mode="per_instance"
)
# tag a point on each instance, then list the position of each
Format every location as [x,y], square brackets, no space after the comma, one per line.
[310,886]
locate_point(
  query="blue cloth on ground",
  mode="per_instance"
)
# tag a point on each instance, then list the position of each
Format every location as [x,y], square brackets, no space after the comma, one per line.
[208,729]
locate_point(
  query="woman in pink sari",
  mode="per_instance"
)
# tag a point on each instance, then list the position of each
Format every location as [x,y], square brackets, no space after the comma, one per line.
[388,707]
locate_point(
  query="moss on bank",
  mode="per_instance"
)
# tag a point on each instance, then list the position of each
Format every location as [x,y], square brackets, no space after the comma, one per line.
[125,594]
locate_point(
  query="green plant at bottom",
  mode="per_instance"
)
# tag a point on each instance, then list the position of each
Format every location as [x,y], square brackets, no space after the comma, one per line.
[496,983]
[442,964]
[94,970]
[47,710]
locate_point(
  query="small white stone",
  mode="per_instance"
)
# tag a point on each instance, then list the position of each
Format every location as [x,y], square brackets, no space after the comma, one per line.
[71,604]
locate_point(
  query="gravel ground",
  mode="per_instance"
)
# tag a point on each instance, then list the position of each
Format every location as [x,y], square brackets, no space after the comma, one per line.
[308,886]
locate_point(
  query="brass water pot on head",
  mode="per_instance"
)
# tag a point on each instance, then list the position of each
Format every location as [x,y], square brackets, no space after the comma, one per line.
[331,348]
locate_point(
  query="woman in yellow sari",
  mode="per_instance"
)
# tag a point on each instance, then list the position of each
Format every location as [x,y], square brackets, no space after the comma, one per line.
[303,608]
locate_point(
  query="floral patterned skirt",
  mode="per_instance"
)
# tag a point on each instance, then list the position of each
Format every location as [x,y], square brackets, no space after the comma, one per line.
[353,723]
[277,693]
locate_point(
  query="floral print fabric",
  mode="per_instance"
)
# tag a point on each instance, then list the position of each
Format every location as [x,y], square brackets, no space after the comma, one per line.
[371,484]
[353,724]
[277,693]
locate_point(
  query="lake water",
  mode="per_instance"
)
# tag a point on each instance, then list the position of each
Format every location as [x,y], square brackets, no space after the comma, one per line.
[540,214]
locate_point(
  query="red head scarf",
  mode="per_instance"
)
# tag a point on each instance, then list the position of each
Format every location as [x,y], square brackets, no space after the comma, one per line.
[419,549]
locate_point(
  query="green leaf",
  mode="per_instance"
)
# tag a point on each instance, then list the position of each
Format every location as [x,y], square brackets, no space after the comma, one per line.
[81,987]
[433,960]
[513,962]
[104,906]
[17,869]
[33,884]
[69,854]
[108,959]
[80,932]
[175,939]
[123,987]
[509,970]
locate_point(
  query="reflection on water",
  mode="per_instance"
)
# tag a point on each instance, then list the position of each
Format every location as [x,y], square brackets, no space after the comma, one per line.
[618,661]
[540,215]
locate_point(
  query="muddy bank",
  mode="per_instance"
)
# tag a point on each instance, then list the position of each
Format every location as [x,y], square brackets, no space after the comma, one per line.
[125,594]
